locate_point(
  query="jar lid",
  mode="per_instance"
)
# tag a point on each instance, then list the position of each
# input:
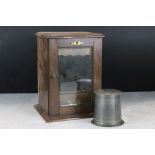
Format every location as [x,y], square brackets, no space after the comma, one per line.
[108,92]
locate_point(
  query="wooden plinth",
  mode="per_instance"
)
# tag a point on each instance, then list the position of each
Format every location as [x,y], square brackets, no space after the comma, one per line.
[49,118]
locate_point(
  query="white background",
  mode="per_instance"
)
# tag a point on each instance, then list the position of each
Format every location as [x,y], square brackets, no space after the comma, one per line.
[77,13]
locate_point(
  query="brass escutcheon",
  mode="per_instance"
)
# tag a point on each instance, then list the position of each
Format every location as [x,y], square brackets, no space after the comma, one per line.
[77,43]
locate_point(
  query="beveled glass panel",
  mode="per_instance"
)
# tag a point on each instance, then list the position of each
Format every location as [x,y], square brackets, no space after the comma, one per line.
[75,76]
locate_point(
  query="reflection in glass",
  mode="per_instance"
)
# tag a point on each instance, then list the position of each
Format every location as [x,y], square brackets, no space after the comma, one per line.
[75,75]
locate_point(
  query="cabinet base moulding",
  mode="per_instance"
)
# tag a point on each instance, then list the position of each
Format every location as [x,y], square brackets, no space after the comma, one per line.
[49,118]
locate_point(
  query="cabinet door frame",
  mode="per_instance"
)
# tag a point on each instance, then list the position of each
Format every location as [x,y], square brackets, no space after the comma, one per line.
[54,45]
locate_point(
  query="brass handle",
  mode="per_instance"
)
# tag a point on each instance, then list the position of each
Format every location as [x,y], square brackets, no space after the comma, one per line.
[53,76]
[77,43]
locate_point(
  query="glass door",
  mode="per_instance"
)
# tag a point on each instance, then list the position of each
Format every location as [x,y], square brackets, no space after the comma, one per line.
[75,76]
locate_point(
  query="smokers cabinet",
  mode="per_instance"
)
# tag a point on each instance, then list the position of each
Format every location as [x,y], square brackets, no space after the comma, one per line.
[69,71]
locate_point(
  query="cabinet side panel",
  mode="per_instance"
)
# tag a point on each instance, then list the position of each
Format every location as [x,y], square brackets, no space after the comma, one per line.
[54,105]
[42,57]
[97,64]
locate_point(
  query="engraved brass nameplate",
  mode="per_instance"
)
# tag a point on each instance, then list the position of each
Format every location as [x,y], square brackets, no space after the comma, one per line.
[77,43]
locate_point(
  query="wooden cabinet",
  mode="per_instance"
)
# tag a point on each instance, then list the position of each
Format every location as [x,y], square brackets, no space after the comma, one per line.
[69,71]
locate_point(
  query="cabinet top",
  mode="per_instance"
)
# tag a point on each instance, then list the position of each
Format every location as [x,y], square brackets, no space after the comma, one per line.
[68,34]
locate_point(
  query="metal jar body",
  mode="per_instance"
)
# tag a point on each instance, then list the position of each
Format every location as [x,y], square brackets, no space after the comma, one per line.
[107,108]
